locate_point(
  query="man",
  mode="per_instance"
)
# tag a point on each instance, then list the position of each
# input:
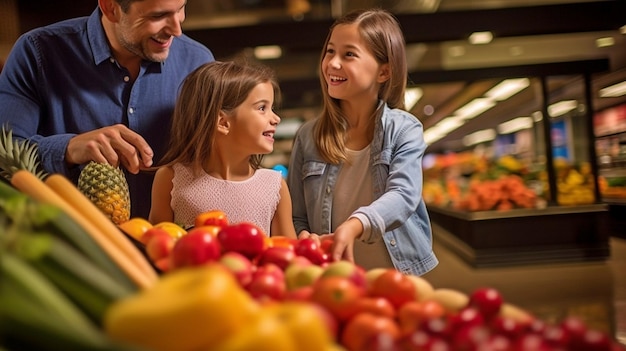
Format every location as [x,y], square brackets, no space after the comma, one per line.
[101,88]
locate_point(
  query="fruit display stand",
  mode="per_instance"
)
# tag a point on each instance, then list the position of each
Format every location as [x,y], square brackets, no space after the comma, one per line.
[524,236]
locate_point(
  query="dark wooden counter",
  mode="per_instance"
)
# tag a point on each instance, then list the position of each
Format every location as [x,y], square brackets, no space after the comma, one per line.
[500,238]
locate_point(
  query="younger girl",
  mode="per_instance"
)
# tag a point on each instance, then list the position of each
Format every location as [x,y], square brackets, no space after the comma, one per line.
[222,124]
[356,170]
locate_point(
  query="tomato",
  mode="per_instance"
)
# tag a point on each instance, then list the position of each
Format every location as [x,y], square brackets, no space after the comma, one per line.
[135,227]
[212,229]
[173,229]
[411,314]
[282,241]
[394,286]
[379,306]
[365,330]
[212,217]
[309,248]
[195,249]
[245,238]
[337,294]
[326,245]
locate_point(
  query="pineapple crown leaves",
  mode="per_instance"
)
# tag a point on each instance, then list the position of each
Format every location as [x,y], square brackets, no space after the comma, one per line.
[17,154]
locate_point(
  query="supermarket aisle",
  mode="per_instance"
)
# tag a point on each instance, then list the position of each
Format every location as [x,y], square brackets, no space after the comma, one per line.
[593,291]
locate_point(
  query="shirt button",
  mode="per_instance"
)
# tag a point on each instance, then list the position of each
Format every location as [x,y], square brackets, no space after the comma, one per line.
[328,190]
[112,60]
[131,110]
[393,242]
[126,78]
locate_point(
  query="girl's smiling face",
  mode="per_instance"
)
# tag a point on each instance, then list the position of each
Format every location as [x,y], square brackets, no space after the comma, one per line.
[253,123]
[350,69]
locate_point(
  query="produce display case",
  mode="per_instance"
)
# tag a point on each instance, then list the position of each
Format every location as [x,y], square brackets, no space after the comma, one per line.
[542,204]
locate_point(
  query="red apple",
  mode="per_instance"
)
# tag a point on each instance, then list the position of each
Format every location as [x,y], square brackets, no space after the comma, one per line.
[245,238]
[348,270]
[150,232]
[159,245]
[268,283]
[195,248]
[280,256]
[241,267]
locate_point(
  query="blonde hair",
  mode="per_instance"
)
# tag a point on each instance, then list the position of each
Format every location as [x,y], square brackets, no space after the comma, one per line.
[211,88]
[381,30]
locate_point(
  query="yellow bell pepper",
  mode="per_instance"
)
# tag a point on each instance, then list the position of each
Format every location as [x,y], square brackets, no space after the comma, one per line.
[289,326]
[190,309]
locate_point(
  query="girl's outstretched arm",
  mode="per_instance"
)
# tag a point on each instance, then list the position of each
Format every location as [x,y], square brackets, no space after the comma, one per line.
[282,223]
[161,211]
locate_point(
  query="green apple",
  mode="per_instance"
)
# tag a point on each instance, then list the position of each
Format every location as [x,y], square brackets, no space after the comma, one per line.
[373,273]
[423,288]
[346,269]
[297,276]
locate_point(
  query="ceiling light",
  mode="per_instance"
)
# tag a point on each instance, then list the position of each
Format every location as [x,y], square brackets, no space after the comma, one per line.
[561,107]
[622,29]
[411,97]
[478,137]
[432,135]
[605,42]
[474,108]
[267,52]
[481,38]
[515,124]
[507,88]
[614,90]
[449,124]
[429,110]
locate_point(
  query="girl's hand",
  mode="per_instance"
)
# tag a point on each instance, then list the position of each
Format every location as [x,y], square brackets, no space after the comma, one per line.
[344,236]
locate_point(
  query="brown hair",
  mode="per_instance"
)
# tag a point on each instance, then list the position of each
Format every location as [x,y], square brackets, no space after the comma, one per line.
[209,89]
[381,30]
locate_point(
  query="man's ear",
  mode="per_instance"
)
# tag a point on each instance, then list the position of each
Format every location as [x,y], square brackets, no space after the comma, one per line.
[223,126]
[110,9]
[384,73]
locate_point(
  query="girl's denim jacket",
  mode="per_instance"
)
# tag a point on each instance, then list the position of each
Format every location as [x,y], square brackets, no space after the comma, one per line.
[398,213]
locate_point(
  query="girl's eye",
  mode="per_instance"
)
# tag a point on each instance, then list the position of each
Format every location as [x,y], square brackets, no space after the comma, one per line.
[351,54]
[262,108]
[330,51]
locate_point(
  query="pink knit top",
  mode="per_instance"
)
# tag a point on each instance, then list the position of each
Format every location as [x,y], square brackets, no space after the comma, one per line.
[252,200]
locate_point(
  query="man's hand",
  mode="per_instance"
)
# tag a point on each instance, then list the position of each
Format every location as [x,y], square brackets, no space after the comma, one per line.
[114,145]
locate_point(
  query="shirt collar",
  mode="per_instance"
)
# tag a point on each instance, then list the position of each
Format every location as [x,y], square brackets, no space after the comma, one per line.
[97,38]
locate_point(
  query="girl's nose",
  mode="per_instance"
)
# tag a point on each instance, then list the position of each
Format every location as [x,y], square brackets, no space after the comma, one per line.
[334,62]
[276,119]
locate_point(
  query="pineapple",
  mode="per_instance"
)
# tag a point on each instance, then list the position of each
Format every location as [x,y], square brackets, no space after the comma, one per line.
[16,155]
[107,188]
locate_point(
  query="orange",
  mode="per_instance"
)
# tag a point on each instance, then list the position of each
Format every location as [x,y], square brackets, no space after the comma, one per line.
[135,227]
[172,229]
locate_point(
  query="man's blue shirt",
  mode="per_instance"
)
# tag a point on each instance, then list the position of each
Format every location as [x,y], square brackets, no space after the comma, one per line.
[62,80]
